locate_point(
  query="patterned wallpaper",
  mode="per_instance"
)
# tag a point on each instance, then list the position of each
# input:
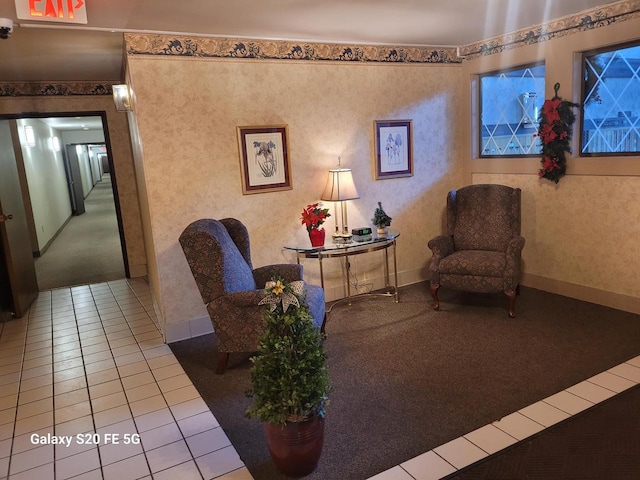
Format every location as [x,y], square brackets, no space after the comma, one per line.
[587,20]
[206,47]
[47,89]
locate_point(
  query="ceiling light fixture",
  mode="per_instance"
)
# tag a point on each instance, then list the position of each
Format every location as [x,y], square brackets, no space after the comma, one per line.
[30,136]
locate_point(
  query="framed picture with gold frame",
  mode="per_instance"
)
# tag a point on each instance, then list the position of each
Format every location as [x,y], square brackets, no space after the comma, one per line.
[393,148]
[264,158]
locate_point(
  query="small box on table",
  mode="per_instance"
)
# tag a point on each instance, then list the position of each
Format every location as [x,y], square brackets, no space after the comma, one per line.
[362,234]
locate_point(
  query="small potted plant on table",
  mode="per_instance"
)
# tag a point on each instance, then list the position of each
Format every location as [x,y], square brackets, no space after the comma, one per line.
[290,381]
[381,220]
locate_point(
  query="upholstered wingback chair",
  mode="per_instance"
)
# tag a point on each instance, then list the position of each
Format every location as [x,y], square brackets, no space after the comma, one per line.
[481,250]
[219,256]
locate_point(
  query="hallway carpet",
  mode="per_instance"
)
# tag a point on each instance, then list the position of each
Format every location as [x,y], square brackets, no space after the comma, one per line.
[88,249]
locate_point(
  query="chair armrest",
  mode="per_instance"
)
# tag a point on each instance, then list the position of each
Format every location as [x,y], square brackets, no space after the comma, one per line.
[515,246]
[513,262]
[245,299]
[238,320]
[288,271]
[441,246]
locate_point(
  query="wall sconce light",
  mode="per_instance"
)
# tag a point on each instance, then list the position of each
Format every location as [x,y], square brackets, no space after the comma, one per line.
[30,136]
[121,98]
[339,188]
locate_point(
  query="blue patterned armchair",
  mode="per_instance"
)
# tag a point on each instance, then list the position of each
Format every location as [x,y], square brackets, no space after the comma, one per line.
[482,248]
[219,256]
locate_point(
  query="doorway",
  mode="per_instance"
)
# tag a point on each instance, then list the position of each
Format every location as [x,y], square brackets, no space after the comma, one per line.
[74,215]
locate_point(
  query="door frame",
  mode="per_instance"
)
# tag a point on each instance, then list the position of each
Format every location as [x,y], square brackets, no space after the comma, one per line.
[107,140]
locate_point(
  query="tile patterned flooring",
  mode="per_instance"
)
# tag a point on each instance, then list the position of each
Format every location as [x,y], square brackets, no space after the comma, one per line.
[89,364]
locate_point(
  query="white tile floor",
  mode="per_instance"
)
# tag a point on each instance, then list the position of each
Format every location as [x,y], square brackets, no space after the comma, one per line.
[89,363]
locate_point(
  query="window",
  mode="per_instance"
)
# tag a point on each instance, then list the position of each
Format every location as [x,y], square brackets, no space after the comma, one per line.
[611,101]
[510,101]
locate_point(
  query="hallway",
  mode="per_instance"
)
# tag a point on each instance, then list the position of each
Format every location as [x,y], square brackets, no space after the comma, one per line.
[88,248]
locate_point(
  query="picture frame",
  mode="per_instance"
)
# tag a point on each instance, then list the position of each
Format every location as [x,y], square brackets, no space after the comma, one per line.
[264,158]
[393,157]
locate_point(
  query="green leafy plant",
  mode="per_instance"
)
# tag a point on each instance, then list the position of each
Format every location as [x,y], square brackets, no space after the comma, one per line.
[380,218]
[289,376]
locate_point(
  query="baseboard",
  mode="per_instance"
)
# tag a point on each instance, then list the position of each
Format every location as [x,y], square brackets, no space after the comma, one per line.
[174,332]
[618,301]
[42,251]
[136,271]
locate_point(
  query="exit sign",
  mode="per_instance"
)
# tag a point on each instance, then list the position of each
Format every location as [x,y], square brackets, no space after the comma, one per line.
[66,11]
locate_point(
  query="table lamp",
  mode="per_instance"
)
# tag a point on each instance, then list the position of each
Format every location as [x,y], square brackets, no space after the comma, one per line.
[339,188]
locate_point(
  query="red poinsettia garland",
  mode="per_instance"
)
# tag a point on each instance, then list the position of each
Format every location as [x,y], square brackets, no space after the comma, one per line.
[556,120]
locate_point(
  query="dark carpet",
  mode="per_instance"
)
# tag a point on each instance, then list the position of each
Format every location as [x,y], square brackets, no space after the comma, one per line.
[407,379]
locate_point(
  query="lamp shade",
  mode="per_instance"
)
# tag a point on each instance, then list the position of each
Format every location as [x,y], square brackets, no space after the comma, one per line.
[339,186]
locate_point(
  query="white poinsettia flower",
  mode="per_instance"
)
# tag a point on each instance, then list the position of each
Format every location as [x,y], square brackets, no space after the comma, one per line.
[287,298]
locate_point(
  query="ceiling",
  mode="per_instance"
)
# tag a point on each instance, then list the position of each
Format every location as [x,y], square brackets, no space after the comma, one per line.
[45,51]
[74,123]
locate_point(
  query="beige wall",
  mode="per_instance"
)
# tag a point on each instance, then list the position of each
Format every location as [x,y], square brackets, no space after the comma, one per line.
[187,112]
[122,158]
[145,215]
[581,233]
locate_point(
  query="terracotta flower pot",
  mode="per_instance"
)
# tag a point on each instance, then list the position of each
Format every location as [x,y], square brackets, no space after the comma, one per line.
[316,235]
[296,447]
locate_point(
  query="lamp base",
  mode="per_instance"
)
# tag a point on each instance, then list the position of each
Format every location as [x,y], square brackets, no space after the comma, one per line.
[342,238]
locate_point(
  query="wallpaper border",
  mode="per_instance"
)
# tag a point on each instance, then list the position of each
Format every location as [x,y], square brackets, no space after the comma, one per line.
[583,21]
[53,89]
[207,47]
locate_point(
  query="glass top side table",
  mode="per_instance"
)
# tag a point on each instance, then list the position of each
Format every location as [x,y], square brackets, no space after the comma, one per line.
[337,250]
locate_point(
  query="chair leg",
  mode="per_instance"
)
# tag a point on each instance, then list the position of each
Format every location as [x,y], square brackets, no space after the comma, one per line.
[434,293]
[324,322]
[223,359]
[512,303]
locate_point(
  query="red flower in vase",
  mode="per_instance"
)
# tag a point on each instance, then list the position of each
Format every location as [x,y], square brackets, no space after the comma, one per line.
[313,216]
